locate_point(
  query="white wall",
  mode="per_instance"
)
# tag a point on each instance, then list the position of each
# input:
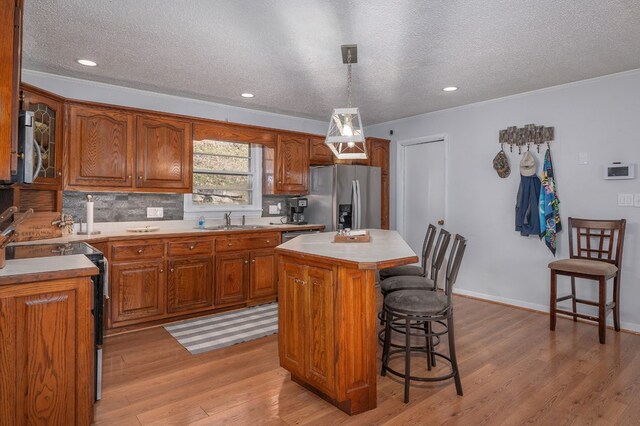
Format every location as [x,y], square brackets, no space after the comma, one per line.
[599,116]
[106,93]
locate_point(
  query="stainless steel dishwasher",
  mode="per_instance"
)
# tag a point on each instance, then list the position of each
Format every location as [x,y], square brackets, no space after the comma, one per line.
[289,235]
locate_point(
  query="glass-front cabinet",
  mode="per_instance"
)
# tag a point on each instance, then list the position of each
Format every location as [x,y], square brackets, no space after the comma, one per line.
[47,132]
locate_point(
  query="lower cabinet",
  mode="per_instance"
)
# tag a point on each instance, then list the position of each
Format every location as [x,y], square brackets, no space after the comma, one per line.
[232,272]
[137,291]
[190,284]
[46,353]
[307,323]
[263,282]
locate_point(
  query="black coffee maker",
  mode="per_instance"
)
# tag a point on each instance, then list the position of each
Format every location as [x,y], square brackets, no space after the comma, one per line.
[295,210]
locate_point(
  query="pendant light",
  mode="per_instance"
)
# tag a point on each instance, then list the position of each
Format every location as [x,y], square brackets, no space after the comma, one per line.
[345,137]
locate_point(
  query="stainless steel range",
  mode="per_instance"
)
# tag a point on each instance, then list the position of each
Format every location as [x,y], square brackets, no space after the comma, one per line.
[100,283]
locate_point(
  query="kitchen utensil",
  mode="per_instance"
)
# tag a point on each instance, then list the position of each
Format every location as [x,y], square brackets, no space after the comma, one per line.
[17,220]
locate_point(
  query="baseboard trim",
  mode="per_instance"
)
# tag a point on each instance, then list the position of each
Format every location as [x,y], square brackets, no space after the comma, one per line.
[543,309]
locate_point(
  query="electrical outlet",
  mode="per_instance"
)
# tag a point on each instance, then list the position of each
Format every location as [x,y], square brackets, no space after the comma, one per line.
[274,210]
[155,212]
[625,200]
[636,200]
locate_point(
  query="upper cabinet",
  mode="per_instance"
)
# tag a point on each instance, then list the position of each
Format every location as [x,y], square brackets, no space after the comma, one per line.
[164,153]
[106,143]
[378,150]
[10,65]
[47,131]
[292,164]
[319,152]
[101,142]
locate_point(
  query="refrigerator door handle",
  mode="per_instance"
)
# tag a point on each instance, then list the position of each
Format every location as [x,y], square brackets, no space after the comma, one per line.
[359,205]
[354,205]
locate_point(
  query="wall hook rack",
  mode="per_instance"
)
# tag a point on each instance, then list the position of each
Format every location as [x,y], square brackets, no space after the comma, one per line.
[526,135]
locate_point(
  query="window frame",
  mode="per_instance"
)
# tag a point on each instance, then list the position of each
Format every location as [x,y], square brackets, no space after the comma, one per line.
[192,211]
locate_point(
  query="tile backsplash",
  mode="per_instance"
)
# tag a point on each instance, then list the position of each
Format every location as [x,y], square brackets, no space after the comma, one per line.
[122,207]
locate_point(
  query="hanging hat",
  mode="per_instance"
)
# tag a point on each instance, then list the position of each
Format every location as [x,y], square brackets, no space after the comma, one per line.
[528,165]
[501,164]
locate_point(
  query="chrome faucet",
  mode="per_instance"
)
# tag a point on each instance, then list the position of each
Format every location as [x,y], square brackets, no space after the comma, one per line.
[227,218]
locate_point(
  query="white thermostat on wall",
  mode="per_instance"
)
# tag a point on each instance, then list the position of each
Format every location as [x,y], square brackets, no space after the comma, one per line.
[618,170]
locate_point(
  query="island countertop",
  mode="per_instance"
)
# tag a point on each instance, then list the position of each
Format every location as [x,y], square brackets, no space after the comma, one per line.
[21,271]
[386,249]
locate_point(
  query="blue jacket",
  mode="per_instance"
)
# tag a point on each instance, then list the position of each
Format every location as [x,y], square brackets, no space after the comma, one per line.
[527,217]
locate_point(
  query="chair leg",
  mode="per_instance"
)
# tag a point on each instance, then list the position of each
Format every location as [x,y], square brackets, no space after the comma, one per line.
[452,354]
[387,345]
[407,360]
[602,294]
[431,345]
[616,306]
[552,302]
[574,304]
[427,339]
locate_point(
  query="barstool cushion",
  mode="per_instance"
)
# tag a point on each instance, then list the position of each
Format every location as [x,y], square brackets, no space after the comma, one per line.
[420,302]
[585,266]
[405,282]
[401,270]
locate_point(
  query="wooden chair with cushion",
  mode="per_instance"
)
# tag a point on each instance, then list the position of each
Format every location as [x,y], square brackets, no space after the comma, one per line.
[594,254]
[418,271]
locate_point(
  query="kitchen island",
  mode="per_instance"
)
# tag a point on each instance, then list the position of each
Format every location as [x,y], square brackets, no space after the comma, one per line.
[327,313]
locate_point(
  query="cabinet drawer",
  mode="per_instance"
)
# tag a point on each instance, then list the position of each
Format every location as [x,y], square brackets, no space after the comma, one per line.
[140,250]
[187,248]
[247,243]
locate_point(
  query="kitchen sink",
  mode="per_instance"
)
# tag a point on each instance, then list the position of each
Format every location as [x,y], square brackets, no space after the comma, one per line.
[234,227]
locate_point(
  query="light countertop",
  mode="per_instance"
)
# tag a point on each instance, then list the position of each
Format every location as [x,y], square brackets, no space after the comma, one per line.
[386,248]
[46,268]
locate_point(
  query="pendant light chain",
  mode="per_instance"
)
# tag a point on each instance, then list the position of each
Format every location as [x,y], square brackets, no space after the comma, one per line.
[349,78]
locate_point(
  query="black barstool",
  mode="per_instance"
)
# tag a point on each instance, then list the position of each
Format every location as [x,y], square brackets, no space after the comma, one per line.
[419,271]
[415,308]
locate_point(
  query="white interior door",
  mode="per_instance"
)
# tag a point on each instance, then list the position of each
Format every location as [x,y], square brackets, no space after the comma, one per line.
[422,170]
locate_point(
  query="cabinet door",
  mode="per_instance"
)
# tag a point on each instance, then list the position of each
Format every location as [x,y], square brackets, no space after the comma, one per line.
[319,328]
[384,202]
[47,132]
[190,284]
[232,278]
[379,154]
[137,291]
[100,147]
[291,326]
[319,152]
[263,274]
[164,153]
[292,164]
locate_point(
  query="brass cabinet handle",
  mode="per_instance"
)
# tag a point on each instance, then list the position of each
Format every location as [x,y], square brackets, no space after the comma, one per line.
[171,270]
[191,247]
[140,251]
[129,177]
[253,261]
[298,281]
[59,173]
[140,177]
[268,241]
[229,245]
[161,270]
[246,261]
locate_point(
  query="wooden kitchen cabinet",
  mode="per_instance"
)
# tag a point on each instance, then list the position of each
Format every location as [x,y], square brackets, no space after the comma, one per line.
[190,284]
[164,149]
[307,323]
[263,283]
[101,148]
[48,117]
[292,164]
[11,12]
[137,291]
[379,154]
[46,360]
[319,152]
[384,202]
[232,273]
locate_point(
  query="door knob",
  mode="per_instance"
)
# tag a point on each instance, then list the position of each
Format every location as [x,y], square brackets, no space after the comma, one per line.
[441,222]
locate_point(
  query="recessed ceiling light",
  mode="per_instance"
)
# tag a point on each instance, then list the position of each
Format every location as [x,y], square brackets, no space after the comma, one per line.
[247,95]
[87,63]
[450,89]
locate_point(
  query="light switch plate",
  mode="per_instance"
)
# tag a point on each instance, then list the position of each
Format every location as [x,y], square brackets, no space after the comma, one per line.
[274,210]
[583,158]
[155,212]
[625,200]
[636,200]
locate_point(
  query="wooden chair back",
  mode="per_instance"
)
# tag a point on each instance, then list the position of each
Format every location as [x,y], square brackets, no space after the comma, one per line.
[597,239]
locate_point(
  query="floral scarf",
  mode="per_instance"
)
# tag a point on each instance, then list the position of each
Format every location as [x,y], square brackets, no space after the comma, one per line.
[549,206]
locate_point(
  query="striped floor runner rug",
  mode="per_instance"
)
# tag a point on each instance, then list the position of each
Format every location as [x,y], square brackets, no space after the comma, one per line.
[221,330]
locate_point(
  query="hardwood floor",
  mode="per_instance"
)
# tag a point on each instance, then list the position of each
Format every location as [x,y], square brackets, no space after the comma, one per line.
[514,370]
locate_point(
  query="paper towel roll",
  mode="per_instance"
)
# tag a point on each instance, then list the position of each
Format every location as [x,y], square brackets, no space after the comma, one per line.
[89,214]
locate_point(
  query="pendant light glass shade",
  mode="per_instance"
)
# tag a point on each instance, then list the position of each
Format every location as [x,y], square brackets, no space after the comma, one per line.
[345,137]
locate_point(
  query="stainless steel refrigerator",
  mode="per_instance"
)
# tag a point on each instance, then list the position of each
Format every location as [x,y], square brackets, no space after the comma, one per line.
[344,197]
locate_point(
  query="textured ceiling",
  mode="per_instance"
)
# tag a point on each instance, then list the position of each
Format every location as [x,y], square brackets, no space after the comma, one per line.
[287,52]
